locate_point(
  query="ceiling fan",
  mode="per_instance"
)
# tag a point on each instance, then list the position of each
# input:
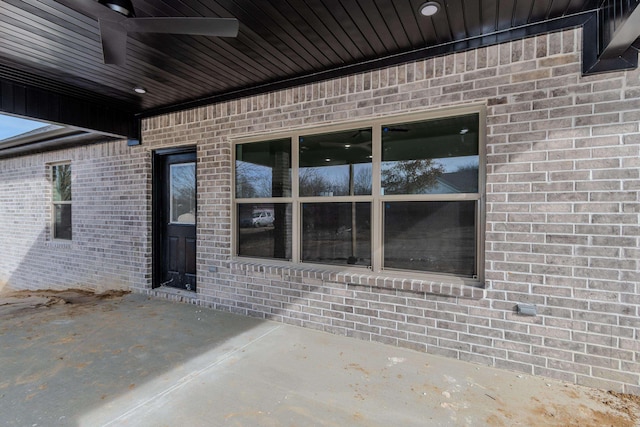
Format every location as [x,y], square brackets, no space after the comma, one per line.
[117,18]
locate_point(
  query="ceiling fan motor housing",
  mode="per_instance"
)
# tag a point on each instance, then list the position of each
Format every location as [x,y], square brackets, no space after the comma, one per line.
[124,7]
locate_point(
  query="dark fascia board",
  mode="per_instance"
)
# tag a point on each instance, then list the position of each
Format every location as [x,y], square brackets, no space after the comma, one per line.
[71,139]
[549,26]
[27,101]
[608,40]
[619,21]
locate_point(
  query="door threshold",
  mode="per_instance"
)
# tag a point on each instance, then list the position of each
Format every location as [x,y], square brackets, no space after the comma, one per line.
[175,294]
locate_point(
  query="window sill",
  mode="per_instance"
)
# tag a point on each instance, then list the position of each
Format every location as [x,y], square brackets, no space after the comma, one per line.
[387,280]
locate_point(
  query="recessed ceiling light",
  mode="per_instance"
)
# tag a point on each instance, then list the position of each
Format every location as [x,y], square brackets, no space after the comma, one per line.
[327,160]
[463,131]
[139,89]
[347,145]
[429,8]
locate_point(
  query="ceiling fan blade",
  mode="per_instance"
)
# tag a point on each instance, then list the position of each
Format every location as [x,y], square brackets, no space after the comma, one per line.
[216,27]
[114,42]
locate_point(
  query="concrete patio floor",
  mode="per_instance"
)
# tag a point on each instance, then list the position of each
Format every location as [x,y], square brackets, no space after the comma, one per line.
[76,359]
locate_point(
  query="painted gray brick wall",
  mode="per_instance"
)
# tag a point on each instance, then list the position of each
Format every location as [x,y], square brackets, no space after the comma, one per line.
[110,248]
[562,214]
[563,208]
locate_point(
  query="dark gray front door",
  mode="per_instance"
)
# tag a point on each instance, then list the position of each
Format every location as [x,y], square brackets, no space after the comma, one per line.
[176,220]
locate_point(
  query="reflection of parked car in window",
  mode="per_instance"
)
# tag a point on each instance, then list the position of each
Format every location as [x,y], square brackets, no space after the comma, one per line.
[258,219]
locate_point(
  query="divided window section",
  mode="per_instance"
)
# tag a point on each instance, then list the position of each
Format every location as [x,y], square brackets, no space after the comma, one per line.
[400,195]
[61,181]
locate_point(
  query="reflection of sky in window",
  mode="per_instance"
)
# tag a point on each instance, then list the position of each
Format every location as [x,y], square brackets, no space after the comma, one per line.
[253,171]
[333,174]
[13,126]
[449,164]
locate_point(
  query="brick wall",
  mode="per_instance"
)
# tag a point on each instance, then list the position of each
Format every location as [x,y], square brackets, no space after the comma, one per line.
[563,207]
[562,214]
[111,242]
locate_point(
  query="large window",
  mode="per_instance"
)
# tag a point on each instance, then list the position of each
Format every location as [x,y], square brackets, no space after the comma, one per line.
[61,179]
[401,195]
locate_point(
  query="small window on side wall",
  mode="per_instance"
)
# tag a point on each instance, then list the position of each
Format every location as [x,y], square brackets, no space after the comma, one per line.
[61,180]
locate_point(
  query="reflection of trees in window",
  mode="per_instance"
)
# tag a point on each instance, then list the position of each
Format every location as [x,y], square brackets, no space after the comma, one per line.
[336,180]
[62,182]
[470,169]
[61,175]
[244,180]
[362,181]
[253,180]
[183,178]
[312,183]
[411,176]
[340,185]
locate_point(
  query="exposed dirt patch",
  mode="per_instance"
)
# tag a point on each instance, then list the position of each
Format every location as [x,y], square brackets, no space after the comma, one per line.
[556,415]
[13,302]
[70,296]
[628,404]
[585,408]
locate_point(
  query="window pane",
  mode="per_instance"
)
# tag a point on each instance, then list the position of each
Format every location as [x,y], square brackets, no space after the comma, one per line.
[263,169]
[432,157]
[337,233]
[61,183]
[264,230]
[336,164]
[431,236]
[183,193]
[62,221]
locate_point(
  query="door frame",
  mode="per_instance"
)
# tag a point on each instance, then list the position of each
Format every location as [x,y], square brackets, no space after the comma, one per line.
[157,208]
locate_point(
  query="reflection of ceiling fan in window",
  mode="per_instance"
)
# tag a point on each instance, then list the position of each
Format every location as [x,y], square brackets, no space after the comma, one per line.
[367,144]
[117,18]
[359,140]
[359,132]
[348,145]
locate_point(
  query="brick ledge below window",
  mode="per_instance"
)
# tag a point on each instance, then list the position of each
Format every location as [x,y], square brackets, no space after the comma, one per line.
[383,281]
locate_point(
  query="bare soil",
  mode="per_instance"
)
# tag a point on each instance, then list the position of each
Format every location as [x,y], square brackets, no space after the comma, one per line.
[14,301]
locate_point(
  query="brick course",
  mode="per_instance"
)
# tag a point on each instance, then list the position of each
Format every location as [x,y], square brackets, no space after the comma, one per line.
[110,246]
[562,215]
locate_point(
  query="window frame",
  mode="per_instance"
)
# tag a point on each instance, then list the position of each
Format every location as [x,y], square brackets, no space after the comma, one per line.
[376,199]
[54,203]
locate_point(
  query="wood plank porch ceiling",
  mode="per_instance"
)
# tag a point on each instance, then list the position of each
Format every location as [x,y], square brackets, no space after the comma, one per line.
[54,51]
